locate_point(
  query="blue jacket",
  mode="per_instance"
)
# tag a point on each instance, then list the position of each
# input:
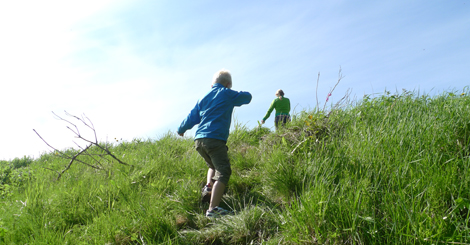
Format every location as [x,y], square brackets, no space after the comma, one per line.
[213,113]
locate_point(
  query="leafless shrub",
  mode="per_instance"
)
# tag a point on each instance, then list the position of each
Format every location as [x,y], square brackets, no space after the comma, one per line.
[104,154]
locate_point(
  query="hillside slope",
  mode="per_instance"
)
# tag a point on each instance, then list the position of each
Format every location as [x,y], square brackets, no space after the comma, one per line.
[388,170]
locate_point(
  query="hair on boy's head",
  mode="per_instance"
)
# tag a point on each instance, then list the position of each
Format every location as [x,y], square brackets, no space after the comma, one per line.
[223,77]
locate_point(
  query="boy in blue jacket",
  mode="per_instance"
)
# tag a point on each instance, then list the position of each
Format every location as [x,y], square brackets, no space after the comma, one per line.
[213,113]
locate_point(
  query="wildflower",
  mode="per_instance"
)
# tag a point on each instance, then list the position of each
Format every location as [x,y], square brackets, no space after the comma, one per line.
[328,97]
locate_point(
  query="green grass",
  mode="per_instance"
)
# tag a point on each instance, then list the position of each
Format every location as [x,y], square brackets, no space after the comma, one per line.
[393,169]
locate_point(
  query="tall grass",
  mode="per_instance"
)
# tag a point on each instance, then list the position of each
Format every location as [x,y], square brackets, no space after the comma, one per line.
[393,169]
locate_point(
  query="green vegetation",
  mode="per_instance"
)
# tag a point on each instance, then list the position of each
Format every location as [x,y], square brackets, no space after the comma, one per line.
[393,169]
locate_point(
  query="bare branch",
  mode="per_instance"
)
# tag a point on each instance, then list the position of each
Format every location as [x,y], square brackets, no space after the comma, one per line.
[97,158]
[75,126]
[343,101]
[92,127]
[318,80]
[83,121]
[44,140]
[59,152]
[340,76]
[71,161]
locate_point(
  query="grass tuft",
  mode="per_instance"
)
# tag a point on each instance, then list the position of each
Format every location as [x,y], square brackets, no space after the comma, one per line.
[389,169]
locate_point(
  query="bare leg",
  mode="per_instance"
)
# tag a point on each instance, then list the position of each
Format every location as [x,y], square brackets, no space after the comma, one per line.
[217,193]
[210,175]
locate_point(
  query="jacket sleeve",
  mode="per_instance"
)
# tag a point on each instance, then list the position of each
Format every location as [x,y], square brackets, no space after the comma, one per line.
[288,105]
[242,98]
[271,108]
[192,119]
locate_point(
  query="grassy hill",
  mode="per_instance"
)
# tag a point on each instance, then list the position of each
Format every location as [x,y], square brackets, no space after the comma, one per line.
[388,170]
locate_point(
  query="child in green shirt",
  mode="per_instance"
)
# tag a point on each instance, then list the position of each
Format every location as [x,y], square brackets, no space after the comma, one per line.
[282,106]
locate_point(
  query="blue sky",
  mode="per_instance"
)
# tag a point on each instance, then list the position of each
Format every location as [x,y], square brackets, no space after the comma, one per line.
[136,68]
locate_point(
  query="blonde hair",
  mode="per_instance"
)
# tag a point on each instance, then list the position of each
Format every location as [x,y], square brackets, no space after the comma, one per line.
[280,92]
[223,77]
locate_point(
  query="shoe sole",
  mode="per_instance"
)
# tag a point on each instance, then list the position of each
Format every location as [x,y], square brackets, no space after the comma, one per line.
[220,215]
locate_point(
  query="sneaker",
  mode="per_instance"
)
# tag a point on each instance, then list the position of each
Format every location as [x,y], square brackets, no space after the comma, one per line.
[206,193]
[217,212]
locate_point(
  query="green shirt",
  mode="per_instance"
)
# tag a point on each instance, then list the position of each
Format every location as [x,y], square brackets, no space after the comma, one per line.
[282,107]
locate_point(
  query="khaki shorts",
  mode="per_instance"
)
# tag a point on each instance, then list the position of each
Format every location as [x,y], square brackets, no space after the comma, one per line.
[215,153]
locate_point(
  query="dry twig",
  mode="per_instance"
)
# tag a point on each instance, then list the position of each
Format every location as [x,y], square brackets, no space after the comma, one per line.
[340,76]
[96,158]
